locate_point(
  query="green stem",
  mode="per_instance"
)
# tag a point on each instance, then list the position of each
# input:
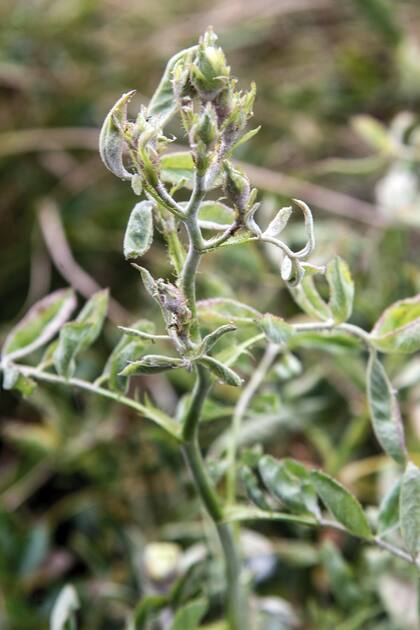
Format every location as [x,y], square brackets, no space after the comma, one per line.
[236,605]
[167,423]
[187,282]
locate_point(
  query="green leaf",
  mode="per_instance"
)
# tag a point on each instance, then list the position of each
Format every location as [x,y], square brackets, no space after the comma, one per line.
[139,233]
[126,351]
[152,364]
[398,329]
[253,490]
[216,212]
[384,411]
[212,338]
[176,167]
[276,329]
[410,509]
[148,280]
[341,289]
[306,296]
[78,335]
[13,378]
[373,132]
[147,606]
[223,372]
[342,504]
[189,616]
[389,515]
[327,341]
[163,102]
[277,225]
[225,310]
[289,481]
[245,138]
[342,580]
[63,613]
[111,137]
[40,324]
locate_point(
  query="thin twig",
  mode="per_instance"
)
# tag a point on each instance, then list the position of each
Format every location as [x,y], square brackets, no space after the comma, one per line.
[60,252]
[242,405]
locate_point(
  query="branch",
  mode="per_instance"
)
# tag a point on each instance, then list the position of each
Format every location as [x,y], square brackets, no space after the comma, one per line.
[157,416]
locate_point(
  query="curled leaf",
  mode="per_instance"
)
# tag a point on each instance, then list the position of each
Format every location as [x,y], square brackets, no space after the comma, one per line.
[277,225]
[111,137]
[139,233]
[152,364]
[163,102]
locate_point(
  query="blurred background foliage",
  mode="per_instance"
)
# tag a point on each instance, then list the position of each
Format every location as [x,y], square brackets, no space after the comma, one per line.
[94,496]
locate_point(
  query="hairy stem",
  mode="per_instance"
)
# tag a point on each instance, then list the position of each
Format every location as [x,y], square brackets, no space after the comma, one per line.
[160,418]
[234,596]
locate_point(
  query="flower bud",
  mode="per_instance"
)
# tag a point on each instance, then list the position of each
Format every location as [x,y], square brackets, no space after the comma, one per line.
[236,187]
[206,128]
[209,72]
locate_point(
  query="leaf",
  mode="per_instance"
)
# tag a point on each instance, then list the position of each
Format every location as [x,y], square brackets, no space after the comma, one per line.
[373,132]
[289,481]
[111,137]
[176,167]
[37,438]
[253,490]
[13,378]
[225,310]
[277,225]
[40,324]
[139,233]
[341,578]
[410,509]
[306,296]
[384,411]
[398,329]
[341,289]
[78,335]
[65,607]
[212,338]
[148,280]
[332,341]
[245,138]
[223,372]
[388,517]
[152,364]
[127,350]
[276,329]
[342,504]
[163,102]
[216,212]
[189,616]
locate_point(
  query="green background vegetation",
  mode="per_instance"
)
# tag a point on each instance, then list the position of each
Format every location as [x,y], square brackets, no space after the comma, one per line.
[86,487]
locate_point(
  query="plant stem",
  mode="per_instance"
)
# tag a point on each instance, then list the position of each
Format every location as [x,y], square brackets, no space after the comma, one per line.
[187,281]
[242,405]
[167,423]
[236,605]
